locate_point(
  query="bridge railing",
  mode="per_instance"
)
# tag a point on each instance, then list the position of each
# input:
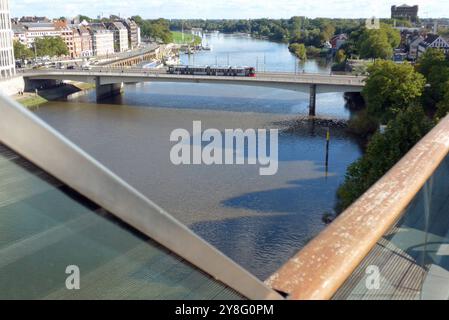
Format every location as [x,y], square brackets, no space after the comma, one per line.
[392,243]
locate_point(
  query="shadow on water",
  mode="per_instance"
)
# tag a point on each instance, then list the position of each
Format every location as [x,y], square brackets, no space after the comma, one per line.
[284,219]
[287,218]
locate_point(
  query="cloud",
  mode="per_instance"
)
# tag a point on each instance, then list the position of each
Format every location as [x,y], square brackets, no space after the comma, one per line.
[216,9]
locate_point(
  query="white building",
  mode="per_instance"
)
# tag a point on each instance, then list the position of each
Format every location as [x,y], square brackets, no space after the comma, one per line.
[7,62]
[19,33]
[36,30]
[121,42]
[433,41]
[413,47]
[102,41]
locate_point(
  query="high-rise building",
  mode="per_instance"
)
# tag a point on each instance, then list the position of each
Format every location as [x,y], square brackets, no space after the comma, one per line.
[7,62]
[405,12]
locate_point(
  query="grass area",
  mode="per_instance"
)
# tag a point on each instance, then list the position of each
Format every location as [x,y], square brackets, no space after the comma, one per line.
[31,101]
[188,38]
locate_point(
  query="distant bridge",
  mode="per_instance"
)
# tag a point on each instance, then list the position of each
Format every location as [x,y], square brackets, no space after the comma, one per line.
[110,81]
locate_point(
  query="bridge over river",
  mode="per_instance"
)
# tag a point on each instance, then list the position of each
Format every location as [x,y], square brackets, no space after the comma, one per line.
[109,81]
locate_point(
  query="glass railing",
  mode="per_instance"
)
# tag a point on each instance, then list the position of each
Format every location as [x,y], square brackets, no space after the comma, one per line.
[411,261]
[71,229]
[47,229]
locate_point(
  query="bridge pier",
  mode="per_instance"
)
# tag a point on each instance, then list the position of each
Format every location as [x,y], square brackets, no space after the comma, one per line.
[312,100]
[107,90]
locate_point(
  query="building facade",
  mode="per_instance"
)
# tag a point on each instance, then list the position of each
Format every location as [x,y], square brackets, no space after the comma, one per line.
[133,33]
[405,12]
[87,49]
[7,61]
[121,42]
[19,33]
[433,41]
[40,30]
[102,40]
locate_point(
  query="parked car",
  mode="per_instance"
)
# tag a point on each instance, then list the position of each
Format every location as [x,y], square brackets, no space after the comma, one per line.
[70,67]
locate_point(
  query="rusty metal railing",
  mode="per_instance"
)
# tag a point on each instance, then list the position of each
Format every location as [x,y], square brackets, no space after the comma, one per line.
[323,266]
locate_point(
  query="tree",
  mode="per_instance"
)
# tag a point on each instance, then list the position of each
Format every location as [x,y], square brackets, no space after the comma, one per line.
[83,17]
[443,104]
[155,29]
[391,87]
[340,56]
[51,46]
[435,67]
[21,51]
[299,49]
[431,58]
[328,31]
[382,153]
[393,35]
[377,43]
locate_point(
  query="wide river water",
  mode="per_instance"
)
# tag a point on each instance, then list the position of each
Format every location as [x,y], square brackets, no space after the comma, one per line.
[259,221]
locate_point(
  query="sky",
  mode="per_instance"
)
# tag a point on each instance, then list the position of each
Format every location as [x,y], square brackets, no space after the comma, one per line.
[223,9]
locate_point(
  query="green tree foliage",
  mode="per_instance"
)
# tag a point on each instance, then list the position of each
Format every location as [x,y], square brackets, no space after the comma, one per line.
[375,43]
[393,35]
[299,49]
[391,88]
[340,56]
[83,17]
[21,51]
[383,151]
[51,46]
[434,66]
[155,29]
[328,31]
[443,104]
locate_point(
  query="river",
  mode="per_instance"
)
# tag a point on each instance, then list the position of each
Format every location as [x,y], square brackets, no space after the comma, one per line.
[259,221]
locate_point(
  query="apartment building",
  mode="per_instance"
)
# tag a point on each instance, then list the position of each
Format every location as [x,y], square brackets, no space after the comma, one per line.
[87,49]
[133,33]
[102,39]
[7,62]
[121,41]
[35,30]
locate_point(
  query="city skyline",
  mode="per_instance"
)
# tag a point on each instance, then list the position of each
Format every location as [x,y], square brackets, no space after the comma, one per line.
[232,9]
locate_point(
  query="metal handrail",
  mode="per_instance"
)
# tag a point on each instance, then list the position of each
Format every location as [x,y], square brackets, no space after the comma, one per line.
[55,154]
[324,264]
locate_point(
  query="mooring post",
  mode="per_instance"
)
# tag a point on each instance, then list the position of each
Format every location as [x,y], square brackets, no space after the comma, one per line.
[328,139]
[312,102]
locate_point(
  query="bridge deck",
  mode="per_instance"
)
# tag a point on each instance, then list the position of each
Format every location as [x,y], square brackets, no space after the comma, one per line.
[129,75]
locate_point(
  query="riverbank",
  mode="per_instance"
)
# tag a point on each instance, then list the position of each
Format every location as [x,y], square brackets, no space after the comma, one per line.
[188,38]
[34,99]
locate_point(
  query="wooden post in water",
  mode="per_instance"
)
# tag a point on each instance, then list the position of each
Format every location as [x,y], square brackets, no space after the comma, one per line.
[312,100]
[328,138]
